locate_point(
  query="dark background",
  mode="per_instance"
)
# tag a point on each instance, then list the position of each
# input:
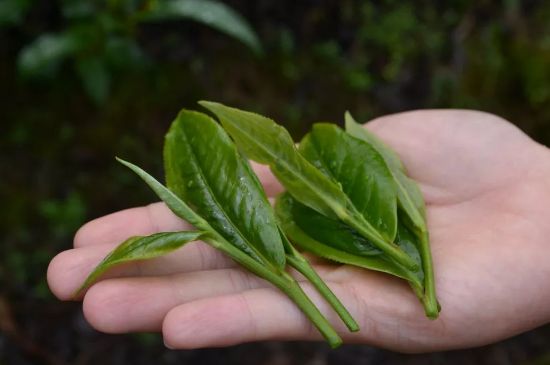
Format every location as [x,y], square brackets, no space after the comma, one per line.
[65,114]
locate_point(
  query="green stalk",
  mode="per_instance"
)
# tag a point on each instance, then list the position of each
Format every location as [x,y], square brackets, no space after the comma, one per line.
[391,249]
[431,306]
[284,282]
[297,261]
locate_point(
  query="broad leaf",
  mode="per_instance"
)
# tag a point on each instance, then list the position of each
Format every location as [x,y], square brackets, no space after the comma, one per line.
[359,169]
[204,168]
[261,139]
[212,13]
[294,220]
[141,248]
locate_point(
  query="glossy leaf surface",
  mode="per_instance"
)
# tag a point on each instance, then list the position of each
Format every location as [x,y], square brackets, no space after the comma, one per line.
[204,168]
[359,169]
[141,248]
[332,232]
[263,140]
[411,206]
[292,215]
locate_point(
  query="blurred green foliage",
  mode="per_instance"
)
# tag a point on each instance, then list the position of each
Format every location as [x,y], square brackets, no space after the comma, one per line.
[318,59]
[100,36]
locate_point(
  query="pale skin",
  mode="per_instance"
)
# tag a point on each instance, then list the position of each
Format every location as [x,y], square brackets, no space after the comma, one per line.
[487,189]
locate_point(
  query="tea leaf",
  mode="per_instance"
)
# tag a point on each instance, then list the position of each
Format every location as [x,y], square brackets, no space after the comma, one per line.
[176,205]
[141,248]
[204,168]
[279,278]
[332,232]
[411,205]
[409,196]
[359,169]
[263,140]
[292,214]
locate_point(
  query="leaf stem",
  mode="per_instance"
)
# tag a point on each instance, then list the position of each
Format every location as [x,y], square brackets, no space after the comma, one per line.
[297,261]
[431,306]
[284,282]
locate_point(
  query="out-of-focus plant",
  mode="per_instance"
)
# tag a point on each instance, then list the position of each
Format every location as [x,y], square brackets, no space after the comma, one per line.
[100,37]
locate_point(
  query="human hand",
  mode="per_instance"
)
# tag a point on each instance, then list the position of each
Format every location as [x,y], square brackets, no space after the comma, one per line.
[487,190]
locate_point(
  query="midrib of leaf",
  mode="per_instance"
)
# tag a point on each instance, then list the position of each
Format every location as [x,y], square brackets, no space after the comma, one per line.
[296,173]
[219,206]
[350,204]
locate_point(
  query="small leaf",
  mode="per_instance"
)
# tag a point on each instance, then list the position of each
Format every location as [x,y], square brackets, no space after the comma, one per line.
[359,169]
[262,140]
[141,248]
[204,168]
[176,205]
[212,13]
[278,278]
[291,218]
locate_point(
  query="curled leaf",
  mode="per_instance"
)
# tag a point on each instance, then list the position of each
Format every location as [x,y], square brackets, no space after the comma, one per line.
[141,248]
[340,245]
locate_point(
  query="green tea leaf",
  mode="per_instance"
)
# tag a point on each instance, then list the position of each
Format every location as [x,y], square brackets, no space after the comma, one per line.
[204,168]
[411,206]
[261,139]
[215,14]
[277,277]
[409,197]
[332,232]
[141,248]
[292,215]
[176,205]
[359,169]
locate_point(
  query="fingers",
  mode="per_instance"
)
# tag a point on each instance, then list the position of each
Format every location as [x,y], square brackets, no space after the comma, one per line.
[116,227]
[140,304]
[68,270]
[157,217]
[252,315]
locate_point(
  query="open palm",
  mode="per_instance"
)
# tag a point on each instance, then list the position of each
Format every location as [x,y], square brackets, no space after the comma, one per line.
[487,189]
